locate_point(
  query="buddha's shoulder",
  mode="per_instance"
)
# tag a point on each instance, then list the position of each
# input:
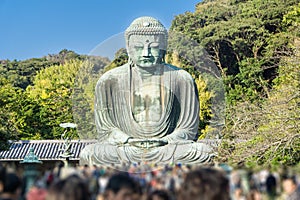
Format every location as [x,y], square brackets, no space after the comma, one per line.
[115,72]
[180,73]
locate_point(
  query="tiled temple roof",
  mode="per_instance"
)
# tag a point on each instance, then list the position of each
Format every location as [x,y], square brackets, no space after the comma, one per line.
[43,149]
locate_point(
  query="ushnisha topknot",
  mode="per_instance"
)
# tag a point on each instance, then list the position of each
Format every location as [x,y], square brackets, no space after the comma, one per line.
[146,26]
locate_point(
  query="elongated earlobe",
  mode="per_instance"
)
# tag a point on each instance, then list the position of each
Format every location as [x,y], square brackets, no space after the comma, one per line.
[162,54]
[130,62]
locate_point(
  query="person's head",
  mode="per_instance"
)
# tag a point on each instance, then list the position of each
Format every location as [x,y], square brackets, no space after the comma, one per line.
[159,195]
[121,187]
[70,188]
[206,184]
[146,41]
[2,177]
[36,193]
[254,194]
[12,186]
[289,184]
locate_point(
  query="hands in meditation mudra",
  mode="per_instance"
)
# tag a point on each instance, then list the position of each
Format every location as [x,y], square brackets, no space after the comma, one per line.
[146,110]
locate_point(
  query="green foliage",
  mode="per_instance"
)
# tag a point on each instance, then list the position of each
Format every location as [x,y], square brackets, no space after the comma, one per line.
[284,115]
[36,94]
[205,112]
[292,19]
[21,73]
[52,91]
[266,133]
[239,33]
[248,84]
[8,100]
[252,44]
[121,58]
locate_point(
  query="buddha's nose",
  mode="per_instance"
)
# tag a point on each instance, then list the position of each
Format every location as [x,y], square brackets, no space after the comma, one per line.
[146,52]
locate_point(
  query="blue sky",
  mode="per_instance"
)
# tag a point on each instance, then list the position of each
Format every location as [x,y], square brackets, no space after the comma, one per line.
[35,28]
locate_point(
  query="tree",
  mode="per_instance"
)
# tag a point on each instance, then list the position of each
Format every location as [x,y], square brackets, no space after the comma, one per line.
[36,94]
[121,58]
[267,132]
[251,43]
[8,101]
[238,35]
[52,91]
[291,20]
[21,73]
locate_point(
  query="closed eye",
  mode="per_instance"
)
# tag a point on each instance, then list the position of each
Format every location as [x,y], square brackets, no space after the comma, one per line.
[154,45]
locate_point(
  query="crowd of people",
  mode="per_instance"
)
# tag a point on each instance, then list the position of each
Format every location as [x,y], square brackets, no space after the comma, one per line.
[170,182]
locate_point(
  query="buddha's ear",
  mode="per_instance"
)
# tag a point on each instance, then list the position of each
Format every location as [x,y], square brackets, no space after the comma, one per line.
[130,61]
[162,54]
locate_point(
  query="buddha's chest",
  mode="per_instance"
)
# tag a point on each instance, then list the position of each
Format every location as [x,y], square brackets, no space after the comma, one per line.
[149,96]
[147,101]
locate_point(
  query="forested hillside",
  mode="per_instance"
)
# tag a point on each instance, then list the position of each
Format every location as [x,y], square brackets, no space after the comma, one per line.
[255,47]
[37,94]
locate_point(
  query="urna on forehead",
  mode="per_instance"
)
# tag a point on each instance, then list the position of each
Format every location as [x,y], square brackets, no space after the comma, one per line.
[146,26]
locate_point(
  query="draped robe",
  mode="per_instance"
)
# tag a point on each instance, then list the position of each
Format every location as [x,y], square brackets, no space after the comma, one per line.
[166,107]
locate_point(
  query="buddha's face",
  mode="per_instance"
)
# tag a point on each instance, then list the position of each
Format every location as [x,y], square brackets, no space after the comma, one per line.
[145,50]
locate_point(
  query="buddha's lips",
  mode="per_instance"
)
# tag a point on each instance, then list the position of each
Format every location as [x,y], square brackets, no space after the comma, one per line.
[146,60]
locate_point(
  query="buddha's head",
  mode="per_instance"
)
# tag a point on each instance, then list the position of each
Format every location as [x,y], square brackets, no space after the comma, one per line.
[146,41]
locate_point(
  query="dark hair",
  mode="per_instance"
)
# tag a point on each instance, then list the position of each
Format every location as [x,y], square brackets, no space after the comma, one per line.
[2,175]
[71,188]
[119,181]
[163,194]
[251,194]
[290,177]
[11,183]
[205,184]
